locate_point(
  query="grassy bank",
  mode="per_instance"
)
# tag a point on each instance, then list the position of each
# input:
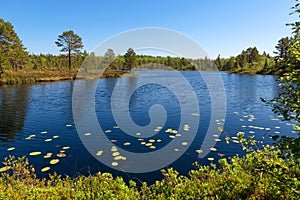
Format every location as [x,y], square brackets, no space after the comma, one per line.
[12,77]
[263,174]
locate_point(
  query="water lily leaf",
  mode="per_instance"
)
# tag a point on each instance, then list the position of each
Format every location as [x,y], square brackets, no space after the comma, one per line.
[68,125]
[108,131]
[116,154]
[99,153]
[184,143]
[11,149]
[159,140]
[127,143]
[199,151]
[210,159]
[43,132]
[45,169]
[55,136]
[61,155]
[213,149]
[35,153]
[151,140]
[48,140]
[114,164]
[66,148]
[87,134]
[54,161]
[152,147]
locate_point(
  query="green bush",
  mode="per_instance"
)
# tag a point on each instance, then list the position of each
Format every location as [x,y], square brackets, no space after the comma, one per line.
[260,174]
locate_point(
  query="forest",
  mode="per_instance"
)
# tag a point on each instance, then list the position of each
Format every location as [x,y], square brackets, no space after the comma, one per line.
[18,66]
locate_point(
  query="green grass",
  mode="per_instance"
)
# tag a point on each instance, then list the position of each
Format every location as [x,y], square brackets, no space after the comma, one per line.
[261,174]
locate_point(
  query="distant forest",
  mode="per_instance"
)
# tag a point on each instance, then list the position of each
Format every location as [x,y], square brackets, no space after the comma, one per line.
[14,57]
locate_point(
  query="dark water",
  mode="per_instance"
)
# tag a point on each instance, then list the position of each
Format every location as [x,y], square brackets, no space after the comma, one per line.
[31,114]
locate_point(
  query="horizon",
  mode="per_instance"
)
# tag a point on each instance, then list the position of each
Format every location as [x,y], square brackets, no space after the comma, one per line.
[219,27]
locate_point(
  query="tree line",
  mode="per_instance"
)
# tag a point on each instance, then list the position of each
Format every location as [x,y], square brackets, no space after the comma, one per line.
[13,56]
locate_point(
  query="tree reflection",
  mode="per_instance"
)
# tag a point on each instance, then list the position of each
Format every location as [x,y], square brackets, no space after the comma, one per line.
[14,103]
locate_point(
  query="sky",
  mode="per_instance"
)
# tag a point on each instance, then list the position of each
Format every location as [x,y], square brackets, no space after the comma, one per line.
[224,27]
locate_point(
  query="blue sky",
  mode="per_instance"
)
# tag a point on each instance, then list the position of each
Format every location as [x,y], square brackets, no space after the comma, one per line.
[223,27]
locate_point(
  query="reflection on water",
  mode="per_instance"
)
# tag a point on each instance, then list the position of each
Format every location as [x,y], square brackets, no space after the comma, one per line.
[39,118]
[14,104]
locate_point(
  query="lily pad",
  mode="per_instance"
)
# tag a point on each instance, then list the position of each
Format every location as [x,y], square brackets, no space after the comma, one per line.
[35,153]
[99,153]
[184,143]
[45,169]
[55,136]
[151,140]
[43,132]
[87,134]
[66,148]
[114,164]
[54,161]
[68,125]
[11,149]
[210,159]
[127,143]
[108,131]
[213,149]
[61,155]
[199,151]
[48,140]
[115,154]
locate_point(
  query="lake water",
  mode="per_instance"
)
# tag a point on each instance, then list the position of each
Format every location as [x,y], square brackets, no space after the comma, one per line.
[39,118]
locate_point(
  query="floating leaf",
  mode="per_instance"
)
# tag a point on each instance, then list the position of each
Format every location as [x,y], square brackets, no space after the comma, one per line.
[61,155]
[43,132]
[178,135]
[227,139]
[68,125]
[114,164]
[118,158]
[159,140]
[4,169]
[213,149]
[210,159]
[172,136]
[66,148]
[108,131]
[235,141]
[152,147]
[151,140]
[215,135]
[127,143]
[99,153]
[138,134]
[88,134]
[278,127]
[141,139]
[143,143]
[114,141]
[55,136]
[195,114]
[148,144]
[62,151]
[268,129]
[184,143]
[176,149]
[220,129]
[218,140]
[11,149]
[54,161]
[113,148]
[115,154]
[116,127]
[199,151]
[45,169]
[35,153]
[48,140]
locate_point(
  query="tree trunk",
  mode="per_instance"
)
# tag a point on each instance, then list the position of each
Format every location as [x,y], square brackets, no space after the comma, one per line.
[69,59]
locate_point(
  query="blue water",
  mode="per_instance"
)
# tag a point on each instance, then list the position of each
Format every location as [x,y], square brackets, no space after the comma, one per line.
[45,111]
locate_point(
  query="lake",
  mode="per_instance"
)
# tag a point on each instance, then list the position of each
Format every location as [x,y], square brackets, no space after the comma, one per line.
[138,117]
